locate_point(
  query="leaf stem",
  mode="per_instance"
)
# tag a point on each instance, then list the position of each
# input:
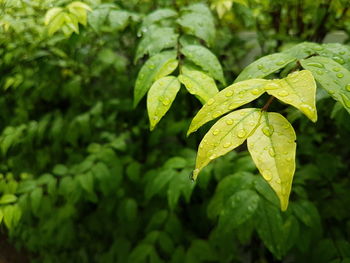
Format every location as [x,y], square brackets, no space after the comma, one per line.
[268,103]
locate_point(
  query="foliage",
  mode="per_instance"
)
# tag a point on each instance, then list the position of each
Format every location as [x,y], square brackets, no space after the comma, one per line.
[82,179]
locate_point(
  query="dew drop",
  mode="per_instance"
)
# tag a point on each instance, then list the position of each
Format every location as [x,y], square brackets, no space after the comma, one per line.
[336,69]
[260,66]
[267,130]
[227,144]
[252,123]
[341,52]
[339,60]
[272,86]
[210,101]
[232,106]
[280,63]
[315,64]
[272,152]
[283,93]
[155,118]
[340,75]
[241,133]
[308,110]
[255,91]
[229,122]
[216,114]
[242,113]
[347,87]
[267,175]
[212,157]
[166,101]
[346,100]
[319,48]
[216,132]
[319,72]
[229,93]
[241,94]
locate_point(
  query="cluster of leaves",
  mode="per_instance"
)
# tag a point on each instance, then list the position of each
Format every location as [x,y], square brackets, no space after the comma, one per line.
[83,180]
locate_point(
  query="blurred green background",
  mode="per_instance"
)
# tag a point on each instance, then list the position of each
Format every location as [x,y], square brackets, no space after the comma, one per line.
[82,179]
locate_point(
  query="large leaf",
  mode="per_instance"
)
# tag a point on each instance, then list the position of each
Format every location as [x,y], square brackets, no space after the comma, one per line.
[265,66]
[299,90]
[273,148]
[156,16]
[303,50]
[332,76]
[227,100]
[156,40]
[204,58]
[197,20]
[160,97]
[338,52]
[225,135]
[198,83]
[155,67]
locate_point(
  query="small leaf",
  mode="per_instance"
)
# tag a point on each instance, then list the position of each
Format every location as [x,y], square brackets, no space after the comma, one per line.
[303,50]
[56,23]
[332,76]
[265,66]
[197,20]
[156,16]
[160,97]
[227,100]
[51,14]
[299,90]
[161,63]
[273,148]
[156,40]
[204,58]
[12,215]
[35,198]
[8,199]
[118,19]
[78,4]
[198,83]
[225,135]
[338,52]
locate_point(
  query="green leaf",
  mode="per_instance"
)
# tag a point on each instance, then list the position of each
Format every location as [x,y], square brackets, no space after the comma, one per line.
[238,209]
[156,16]
[78,4]
[205,59]
[338,52]
[307,213]
[56,23]
[273,148]
[87,182]
[35,198]
[179,184]
[227,100]
[198,83]
[12,215]
[158,182]
[160,97]
[303,50]
[51,14]
[156,40]
[118,19]
[225,135]
[8,199]
[332,76]
[299,90]
[265,66]
[155,68]
[197,20]
[270,227]
[1,215]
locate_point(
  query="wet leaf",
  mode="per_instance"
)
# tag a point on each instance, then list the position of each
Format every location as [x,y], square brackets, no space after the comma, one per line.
[155,67]
[160,97]
[205,59]
[332,76]
[155,17]
[227,100]
[299,90]
[225,135]
[273,148]
[198,83]
[265,66]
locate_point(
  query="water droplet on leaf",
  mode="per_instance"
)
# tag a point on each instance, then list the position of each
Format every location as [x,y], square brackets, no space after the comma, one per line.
[340,75]
[229,122]
[227,144]
[283,93]
[216,132]
[229,93]
[268,130]
[315,64]
[241,133]
[210,101]
[272,152]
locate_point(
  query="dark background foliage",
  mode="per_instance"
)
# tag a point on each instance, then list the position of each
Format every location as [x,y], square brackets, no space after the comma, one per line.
[83,180]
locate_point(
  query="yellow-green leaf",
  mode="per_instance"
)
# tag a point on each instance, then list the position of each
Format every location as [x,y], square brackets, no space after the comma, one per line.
[227,100]
[78,4]
[160,97]
[51,14]
[226,134]
[56,23]
[272,147]
[198,83]
[299,90]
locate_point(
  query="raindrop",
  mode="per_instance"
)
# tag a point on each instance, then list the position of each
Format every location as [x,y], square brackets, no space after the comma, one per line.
[229,93]
[347,87]
[336,69]
[318,48]
[339,60]
[346,100]
[255,91]
[267,175]
[260,66]
[216,114]
[155,118]
[229,122]
[241,94]
[227,144]
[252,123]
[212,157]
[272,152]
[283,93]
[267,130]
[166,101]
[241,133]
[272,86]
[210,101]
[319,72]
[232,106]
[308,110]
[280,63]
[340,75]
[315,64]
[216,132]
[242,113]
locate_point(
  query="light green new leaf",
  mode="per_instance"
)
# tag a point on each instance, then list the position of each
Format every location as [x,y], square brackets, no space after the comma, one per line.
[78,4]
[338,52]
[303,50]
[8,199]
[227,100]
[155,67]
[156,16]
[56,23]
[204,58]
[198,83]
[299,90]
[160,97]
[272,147]
[332,76]
[265,66]
[51,14]
[118,19]
[226,134]
[197,20]
[156,40]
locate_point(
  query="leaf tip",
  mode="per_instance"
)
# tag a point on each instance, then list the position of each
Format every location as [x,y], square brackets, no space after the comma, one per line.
[195,174]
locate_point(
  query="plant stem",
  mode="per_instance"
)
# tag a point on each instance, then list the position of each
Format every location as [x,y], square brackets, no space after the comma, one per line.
[268,103]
